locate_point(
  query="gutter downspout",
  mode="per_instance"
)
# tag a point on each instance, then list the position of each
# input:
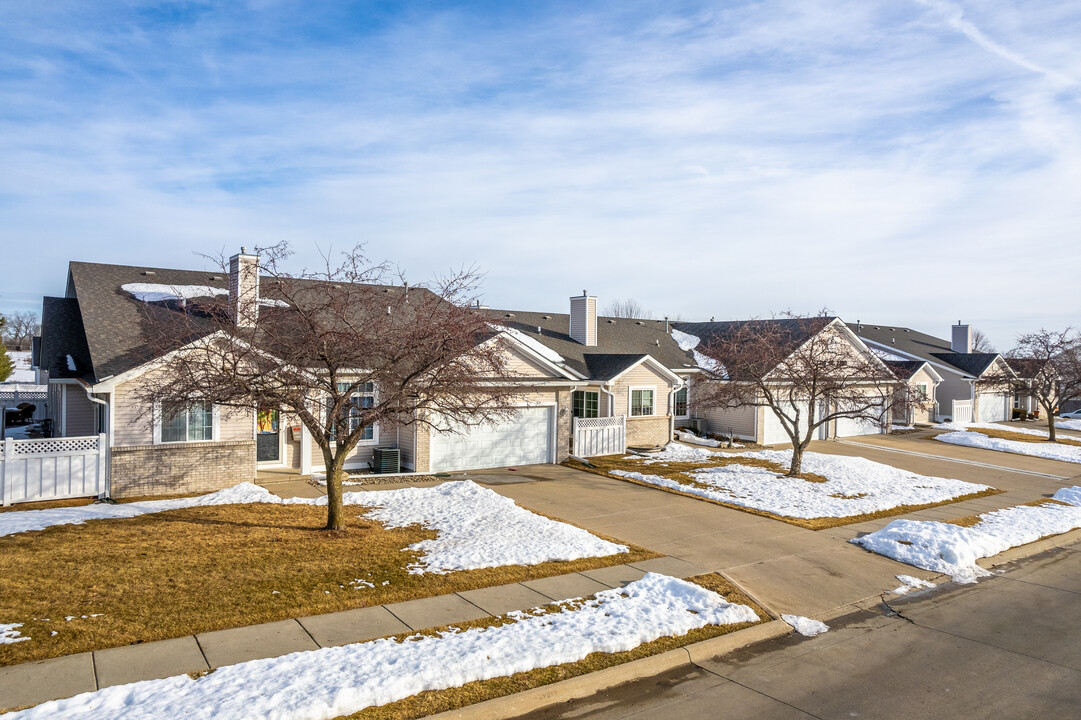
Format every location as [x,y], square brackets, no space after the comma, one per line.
[611,398]
[672,406]
[109,425]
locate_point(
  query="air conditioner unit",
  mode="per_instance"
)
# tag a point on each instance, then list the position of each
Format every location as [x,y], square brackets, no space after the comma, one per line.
[386,460]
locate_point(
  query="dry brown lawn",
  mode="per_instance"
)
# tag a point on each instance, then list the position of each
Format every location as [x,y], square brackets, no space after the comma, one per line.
[180,572]
[971,520]
[681,473]
[435,701]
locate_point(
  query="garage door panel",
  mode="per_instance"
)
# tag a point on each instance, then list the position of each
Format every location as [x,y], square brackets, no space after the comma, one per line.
[523,440]
[993,407]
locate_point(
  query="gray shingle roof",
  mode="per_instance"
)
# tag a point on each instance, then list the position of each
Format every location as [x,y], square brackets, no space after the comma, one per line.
[620,342]
[62,335]
[905,369]
[907,341]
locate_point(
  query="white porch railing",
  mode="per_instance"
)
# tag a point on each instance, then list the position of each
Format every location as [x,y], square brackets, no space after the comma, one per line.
[53,468]
[962,411]
[600,436]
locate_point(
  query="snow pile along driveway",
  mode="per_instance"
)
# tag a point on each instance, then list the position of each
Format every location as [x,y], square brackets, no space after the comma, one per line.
[1050,451]
[327,683]
[954,550]
[855,486]
[477,527]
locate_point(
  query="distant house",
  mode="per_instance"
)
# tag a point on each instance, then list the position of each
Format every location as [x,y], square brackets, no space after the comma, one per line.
[922,381]
[759,423]
[94,352]
[959,394]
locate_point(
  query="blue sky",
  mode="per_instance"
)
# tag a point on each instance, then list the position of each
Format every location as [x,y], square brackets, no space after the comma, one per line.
[913,162]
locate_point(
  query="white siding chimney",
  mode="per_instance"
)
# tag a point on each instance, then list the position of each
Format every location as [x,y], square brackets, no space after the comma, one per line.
[962,338]
[244,289]
[584,319]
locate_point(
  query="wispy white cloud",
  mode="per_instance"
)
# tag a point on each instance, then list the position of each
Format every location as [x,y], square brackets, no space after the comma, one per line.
[723,159]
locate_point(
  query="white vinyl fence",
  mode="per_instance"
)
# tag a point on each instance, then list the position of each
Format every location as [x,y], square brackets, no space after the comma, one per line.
[600,436]
[962,411]
[53,468]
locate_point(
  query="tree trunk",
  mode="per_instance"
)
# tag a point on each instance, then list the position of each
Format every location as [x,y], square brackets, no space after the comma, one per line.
[335,476]
[797,460]
[1050,425]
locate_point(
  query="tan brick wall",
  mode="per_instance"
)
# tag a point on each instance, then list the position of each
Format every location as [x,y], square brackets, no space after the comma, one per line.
[564,425]
[424,440]
[180,468]
[648,431]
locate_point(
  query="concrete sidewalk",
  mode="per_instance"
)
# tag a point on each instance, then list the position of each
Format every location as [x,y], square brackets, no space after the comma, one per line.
[37,682]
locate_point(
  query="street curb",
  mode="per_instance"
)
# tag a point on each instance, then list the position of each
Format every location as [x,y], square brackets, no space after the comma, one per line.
[590,683]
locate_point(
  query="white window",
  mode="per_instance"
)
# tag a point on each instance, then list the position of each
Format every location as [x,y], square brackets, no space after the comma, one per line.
[642,401]
[921,391]
[187,423]
[679,403]
[362,397]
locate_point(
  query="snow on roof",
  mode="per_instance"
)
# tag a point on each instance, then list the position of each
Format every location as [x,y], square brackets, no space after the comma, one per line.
[887,355]
[541,349]
[686,342]
[71,363]
[158,292]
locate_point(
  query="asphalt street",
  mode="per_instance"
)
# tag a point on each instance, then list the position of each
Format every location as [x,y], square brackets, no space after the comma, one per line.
[1007,647]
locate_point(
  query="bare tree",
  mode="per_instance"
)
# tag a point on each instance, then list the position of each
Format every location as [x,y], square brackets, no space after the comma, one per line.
[21,328]
[809,371]
[1050,363]
[340,350]
[629,308]
[981,343]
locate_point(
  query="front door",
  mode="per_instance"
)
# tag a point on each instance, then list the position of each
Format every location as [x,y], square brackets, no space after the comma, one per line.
[267,445]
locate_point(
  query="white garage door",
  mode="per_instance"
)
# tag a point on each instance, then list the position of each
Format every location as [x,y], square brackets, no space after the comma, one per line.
[774,431]
[523,440]
[993,407]
[847,427]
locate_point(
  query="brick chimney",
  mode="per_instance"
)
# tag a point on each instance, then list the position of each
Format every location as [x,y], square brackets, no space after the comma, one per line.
[584,319]
[244,288]
[962,338]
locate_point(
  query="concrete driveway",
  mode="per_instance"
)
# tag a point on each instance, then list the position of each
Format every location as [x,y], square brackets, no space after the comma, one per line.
[790,569]
[1005,648]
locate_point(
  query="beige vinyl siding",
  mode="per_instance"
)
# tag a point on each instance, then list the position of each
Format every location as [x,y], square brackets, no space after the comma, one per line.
[642,376]
[79,413]
[407,444]
[741,422]
[521,366]
[924,414]
[133,422]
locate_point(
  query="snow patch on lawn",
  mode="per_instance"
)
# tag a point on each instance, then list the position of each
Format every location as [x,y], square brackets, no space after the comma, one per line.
[1048,450]
[909,583]
[478,528]
[954,550]
[331,682]
[677,452]
[1068,425]
[21,372]
[8,634]
[806,626]
[855,486]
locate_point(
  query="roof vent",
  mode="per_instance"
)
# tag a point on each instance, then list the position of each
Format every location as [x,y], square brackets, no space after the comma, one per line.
[546,317]
[508,315]
[538,329]
[711,318]
[212,277]
[611,322]
[658,342]
[149,272]
[639,322]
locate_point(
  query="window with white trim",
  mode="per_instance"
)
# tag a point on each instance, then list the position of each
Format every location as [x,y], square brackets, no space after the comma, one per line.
[642,401]
[585,404]
[188,423]
[679,403]
[361,398]
[921,391]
